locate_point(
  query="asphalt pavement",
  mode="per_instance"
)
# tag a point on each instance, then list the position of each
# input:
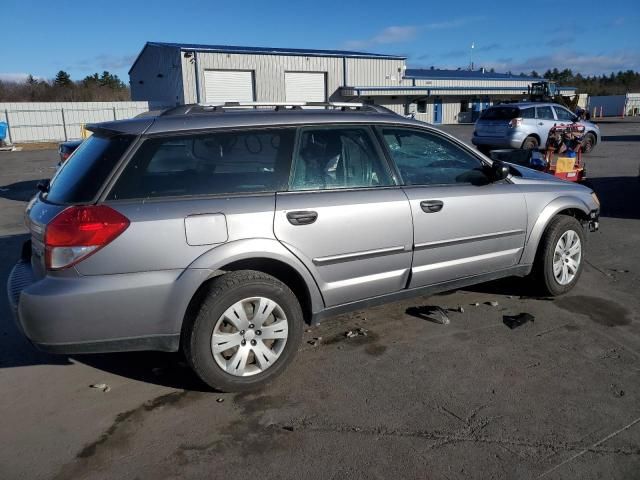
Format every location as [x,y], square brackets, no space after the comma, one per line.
[557,397]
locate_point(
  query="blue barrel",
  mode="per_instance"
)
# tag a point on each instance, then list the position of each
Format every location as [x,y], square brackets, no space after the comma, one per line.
[3,130]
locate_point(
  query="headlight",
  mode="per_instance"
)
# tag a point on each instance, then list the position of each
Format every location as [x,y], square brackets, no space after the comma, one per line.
[595,198]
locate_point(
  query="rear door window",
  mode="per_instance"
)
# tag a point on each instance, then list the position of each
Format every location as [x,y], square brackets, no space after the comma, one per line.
[527,113]
[81,177]
[338,157]
[208,164]
[544,113]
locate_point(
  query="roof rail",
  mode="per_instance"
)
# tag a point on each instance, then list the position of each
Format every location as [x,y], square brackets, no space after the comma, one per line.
[277,106]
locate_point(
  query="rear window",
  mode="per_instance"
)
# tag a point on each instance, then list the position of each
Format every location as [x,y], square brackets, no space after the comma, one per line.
[208,164]
[80,177]
[500,113]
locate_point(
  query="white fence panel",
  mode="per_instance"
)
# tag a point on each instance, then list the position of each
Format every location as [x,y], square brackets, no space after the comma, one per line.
[59,121]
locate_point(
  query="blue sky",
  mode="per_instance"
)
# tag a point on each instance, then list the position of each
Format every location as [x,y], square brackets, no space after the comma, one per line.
[42,37]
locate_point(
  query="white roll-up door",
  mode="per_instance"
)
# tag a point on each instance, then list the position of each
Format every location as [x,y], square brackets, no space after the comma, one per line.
[228,86]
[305,87]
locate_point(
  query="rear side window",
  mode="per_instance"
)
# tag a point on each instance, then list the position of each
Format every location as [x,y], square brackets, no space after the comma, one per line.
[208,164]
[500,113]
[527,113]
[80,177]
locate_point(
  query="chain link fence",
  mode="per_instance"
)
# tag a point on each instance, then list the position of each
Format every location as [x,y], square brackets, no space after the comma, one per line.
[61,121]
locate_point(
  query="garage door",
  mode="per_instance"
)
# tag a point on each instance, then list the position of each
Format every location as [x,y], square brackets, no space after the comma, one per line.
[228,86]
[305,87]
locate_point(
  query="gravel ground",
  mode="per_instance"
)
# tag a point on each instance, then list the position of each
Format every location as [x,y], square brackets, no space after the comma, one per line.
[555,398]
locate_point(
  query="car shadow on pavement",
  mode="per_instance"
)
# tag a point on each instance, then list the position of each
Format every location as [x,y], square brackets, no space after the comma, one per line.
[20,191]
[165,369]
[619,196]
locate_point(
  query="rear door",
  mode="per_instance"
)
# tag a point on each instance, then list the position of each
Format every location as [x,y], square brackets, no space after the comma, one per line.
[344,216]
[186,194]
[464,225]
[545,121]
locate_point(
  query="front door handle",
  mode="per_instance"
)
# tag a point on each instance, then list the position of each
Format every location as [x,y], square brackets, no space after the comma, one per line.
[431,206]
[540,123]
[302,217]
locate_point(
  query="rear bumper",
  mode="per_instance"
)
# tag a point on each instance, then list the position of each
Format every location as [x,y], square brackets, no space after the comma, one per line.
[102,313]
[513,141]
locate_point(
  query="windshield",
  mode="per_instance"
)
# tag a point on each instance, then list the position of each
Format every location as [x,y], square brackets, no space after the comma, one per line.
[500,113]
[80,177]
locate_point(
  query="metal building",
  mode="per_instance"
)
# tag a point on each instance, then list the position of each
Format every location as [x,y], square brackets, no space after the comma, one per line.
[166,74]
[171,73]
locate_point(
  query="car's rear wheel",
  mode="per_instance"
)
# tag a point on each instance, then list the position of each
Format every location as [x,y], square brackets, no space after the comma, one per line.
[246,332]
[530,143]
[560,256]
[588,142]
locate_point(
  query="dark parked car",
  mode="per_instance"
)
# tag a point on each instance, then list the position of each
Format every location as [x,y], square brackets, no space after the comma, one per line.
[65,149]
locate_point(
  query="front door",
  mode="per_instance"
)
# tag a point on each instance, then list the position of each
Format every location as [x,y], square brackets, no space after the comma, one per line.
[464,225]
[545,121]
[344,216]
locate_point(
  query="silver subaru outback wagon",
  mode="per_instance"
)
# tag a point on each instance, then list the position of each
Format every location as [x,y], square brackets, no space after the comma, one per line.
[221,230]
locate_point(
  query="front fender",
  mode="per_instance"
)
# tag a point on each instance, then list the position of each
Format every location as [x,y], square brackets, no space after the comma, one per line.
[216,258]
[548,212]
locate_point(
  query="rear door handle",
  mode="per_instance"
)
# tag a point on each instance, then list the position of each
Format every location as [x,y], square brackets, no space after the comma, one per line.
[431,206]
[302,217]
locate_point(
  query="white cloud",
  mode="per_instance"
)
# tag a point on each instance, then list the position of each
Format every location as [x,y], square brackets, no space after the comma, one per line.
[587,64]
[393,34]
[14,77]
[407,33]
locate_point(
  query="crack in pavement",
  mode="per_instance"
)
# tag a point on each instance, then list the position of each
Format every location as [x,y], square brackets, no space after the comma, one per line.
[443,438]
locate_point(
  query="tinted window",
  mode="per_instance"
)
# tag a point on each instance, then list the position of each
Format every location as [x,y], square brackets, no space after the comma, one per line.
[500,113]
[422,106]
[527,113]
[564,115]
[427,159]
[205,164]
[544,113]
[338,157]
[80,177]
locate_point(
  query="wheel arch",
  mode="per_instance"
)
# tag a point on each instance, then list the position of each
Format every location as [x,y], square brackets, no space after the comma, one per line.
[534,135]
[264,255]
[571,206]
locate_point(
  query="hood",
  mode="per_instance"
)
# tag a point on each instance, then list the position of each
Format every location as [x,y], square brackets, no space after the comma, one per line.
[520,174]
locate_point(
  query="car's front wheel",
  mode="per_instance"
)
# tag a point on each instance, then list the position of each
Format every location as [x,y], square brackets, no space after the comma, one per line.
[246,332]
[588,142]
[560,256]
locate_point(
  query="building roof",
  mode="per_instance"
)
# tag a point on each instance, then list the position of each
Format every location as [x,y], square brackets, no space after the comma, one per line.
[462,74]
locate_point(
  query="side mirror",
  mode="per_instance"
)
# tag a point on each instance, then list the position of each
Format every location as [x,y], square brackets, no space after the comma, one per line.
[499,170]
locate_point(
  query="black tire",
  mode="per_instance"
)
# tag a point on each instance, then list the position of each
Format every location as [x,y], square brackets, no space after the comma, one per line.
[588,142]
[544,280]
[223,292]
[530,143]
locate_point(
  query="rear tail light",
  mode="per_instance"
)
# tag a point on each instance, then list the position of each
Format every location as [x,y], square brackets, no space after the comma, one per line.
[77,232]
[515,122]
